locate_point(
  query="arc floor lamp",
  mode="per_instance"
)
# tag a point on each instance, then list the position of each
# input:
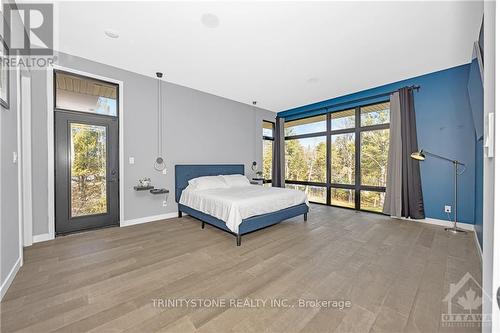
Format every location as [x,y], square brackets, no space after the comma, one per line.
[420,156]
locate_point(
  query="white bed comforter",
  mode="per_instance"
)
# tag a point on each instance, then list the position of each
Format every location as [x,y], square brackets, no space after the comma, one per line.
[234,204]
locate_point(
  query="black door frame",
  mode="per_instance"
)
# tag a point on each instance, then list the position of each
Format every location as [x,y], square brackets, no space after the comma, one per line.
[79,118]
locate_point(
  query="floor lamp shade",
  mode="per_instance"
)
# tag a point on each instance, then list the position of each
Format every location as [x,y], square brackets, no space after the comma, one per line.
[420,156]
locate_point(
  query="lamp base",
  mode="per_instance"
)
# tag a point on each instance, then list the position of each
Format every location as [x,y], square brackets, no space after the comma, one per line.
[455,230]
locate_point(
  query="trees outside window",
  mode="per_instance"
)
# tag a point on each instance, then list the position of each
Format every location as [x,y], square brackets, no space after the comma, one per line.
[88,170]
[267,151]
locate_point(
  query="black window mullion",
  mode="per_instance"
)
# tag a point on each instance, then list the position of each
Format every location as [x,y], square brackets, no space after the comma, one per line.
[375,127]
[372,188]
[328,157]
[302,182]
[305,136]
[357,172]
[343,131]
[343,186]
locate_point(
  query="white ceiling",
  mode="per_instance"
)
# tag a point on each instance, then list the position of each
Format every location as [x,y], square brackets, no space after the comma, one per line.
[282,54]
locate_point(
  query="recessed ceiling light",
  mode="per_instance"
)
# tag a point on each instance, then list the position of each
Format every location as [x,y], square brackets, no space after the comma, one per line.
[210,20]
[313,80]
[111,33]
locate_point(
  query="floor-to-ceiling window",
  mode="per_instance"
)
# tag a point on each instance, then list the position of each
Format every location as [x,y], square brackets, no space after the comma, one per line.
[340,158]
[305,157]
[267,151]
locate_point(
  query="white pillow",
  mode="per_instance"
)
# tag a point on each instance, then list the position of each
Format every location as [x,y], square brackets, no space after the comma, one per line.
[207,183]
[236,180]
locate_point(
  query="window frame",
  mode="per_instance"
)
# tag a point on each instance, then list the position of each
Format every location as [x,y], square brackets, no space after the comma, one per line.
[83,77]
[356,130]
[268,138]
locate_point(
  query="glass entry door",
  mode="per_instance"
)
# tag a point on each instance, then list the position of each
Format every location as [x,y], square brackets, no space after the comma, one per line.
[86,171]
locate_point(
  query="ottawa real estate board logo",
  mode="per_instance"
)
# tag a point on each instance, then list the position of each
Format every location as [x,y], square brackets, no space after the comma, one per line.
[464,304]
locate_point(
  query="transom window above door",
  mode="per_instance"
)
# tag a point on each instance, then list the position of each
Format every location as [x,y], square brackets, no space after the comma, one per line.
[83,94]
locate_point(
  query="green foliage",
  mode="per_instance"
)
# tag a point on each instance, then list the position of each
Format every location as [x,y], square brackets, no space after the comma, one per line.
[88,170]
[343,159]
[267,158]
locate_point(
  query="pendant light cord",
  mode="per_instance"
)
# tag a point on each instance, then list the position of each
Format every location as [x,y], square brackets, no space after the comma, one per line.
[159,118]
[159,161]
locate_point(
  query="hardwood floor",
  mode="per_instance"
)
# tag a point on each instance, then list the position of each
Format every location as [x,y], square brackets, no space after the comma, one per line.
[395,274]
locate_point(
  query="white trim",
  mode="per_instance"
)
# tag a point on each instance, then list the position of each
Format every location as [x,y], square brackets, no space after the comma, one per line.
[148,219]
[10,277]
[121,154]
[26,202]
[50,153]
[478,246]
[443,223]
[50,135]
[19,172]
[42,238]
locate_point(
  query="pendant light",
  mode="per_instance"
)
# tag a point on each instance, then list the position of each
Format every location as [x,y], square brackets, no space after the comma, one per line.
[159,161]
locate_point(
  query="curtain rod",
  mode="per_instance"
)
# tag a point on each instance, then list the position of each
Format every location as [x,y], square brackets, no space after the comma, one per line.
[412,87]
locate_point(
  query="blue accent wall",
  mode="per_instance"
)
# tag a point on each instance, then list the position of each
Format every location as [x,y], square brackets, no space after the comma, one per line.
[445,126]
[475,88]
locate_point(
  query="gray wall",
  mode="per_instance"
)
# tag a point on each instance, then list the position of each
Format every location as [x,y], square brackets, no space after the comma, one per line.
[9,203]
[9,226]
[198,128]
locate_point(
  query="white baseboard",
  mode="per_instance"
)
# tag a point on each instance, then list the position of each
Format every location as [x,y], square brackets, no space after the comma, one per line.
[443,223]
[12,274]
[42,238]
[148,219]
[478,246]
[47,236]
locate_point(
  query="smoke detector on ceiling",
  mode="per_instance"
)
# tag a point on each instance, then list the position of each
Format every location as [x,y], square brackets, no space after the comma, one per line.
[111,33]
[210,20]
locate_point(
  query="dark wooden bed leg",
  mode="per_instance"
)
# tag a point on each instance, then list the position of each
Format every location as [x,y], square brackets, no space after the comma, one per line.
[238,240]
[305,217]
[180,214]
[202,225]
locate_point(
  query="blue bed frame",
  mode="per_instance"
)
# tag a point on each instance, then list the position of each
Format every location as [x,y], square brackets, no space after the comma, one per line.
[184,173]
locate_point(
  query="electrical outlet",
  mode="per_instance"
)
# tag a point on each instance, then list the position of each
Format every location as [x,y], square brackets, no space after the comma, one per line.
[164,203]
[447,209]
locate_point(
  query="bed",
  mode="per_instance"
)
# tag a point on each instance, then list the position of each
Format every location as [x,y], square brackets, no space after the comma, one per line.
[184,173]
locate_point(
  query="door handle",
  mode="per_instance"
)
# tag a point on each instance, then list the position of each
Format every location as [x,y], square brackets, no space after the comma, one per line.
[113,178]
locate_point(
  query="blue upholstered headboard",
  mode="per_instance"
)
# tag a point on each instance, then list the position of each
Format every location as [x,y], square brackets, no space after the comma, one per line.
[184,173]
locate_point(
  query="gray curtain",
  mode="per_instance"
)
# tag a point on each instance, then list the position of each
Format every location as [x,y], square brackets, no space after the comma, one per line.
[404,188]
[392,203]
[279,153]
